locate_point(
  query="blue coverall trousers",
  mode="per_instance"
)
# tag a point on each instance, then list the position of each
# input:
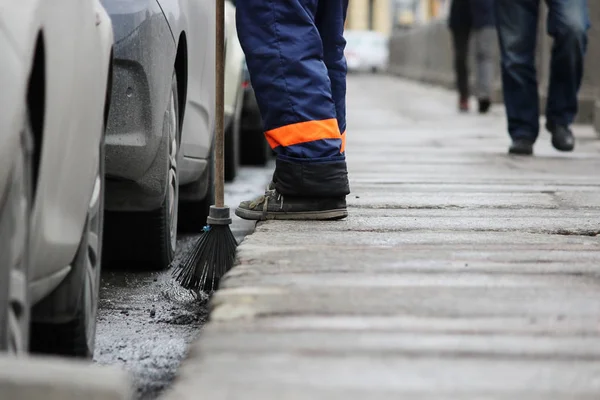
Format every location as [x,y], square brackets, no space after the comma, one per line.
[295,55]
[517,21]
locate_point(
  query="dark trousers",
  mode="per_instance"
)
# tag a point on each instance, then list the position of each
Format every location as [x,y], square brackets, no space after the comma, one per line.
[460,40]
[568,22]
[295,55]
[485,41]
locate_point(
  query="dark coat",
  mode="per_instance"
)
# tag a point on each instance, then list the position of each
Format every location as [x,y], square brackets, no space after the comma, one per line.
[471,14]
[460,15]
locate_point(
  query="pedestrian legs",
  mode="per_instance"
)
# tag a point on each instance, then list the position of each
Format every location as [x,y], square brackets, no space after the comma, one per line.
[485,39]
[568,22]
[517,22]
[460,40]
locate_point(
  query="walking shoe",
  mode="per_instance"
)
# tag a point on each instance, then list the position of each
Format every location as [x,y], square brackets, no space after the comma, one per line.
[521,147]
[484,105]
[273,205]
[562,137]
[463,105]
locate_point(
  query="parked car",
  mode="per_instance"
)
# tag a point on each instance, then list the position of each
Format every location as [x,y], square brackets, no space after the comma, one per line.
[161,128]
[366,51]
[254,148]
[234,94]
[54,99]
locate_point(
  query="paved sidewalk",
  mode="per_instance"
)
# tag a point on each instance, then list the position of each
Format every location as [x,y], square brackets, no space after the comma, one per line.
[461,273]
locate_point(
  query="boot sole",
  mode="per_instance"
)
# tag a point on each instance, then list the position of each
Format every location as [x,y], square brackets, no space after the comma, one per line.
[326,215]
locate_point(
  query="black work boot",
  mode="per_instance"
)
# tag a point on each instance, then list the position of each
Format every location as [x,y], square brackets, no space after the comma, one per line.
[521,147]
[273,205]
[562,137]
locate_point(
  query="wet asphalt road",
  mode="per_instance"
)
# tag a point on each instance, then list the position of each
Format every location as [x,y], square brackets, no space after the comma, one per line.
[146,321]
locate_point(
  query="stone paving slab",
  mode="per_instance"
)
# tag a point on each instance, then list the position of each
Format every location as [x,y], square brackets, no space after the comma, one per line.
[490,187]
[314,376]
[397,219]
[457,200]
[479,178]
[388,261]
[53,378]
[403,344]
[461,272]
[449,299]
[432,240]
[547,327]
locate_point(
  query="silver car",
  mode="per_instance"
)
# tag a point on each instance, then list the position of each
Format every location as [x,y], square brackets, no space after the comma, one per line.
[54,80]
[160,129]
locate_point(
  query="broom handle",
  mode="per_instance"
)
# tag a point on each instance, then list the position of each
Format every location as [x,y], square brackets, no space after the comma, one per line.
[219,105]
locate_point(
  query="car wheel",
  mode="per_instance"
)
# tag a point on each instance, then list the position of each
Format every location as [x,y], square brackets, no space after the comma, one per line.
[255,148]
[77,295]
[193,214]
[232,142]
[15,210]
[147,240]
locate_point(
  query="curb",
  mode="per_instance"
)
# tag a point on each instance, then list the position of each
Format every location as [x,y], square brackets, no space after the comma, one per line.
[53,378]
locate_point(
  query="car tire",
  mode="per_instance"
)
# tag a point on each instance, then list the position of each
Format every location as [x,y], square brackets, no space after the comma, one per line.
[15,211]
[148,240]
[232,142]
[254,148]
[193,214]
[78,293]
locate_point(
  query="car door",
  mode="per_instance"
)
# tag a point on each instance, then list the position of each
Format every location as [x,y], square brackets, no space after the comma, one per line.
[198,126]
[72,131]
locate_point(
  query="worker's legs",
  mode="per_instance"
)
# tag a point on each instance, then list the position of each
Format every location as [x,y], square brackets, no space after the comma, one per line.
[330,18]
[284,53]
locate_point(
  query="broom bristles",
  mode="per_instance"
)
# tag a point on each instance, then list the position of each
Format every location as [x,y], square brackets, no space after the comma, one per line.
[212,257]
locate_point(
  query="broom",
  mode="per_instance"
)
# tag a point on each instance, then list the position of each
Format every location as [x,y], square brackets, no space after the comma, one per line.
[213,253]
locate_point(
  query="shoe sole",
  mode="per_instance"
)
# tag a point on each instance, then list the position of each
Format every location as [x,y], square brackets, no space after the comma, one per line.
[326,215]
[560,148]
[520,153]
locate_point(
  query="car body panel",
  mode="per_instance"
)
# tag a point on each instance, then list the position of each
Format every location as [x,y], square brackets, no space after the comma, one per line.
[77,59]
[63,191]
[143,50]
[12,82]
[147,36]
[198,125]
[234,61]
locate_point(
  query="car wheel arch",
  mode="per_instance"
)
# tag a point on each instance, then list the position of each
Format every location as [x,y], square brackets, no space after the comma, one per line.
[181,71]
[36,103]
[109,87]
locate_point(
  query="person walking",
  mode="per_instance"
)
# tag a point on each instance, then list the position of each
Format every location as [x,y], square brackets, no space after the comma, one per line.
[568,22]
[477,17]
[295,55]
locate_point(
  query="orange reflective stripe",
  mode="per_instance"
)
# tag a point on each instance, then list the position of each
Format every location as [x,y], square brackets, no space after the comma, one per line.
[343,148]
[303,132]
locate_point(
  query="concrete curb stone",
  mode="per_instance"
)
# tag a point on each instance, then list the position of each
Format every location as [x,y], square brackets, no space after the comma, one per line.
[53,378]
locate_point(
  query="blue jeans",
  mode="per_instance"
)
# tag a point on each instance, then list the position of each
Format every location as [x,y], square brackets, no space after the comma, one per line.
[517,20]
